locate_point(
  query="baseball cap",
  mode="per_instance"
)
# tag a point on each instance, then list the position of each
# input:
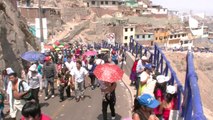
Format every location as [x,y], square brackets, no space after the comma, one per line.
[162,79]
[9,70]
[148,66]
[148,101]
[47,58]
[171,89]
[33,67]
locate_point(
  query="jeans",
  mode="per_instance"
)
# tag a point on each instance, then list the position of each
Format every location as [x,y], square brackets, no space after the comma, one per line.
[49,81]
[35,94]
[111,102]
[93,80]
[61,91]
[79,89]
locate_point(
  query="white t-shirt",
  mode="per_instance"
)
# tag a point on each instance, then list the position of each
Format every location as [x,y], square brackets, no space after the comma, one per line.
[79,74]
[139,66]
[33,81]
[70,65]
[99,61]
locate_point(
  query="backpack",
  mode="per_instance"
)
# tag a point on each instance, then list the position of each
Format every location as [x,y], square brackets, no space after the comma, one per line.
[26,97]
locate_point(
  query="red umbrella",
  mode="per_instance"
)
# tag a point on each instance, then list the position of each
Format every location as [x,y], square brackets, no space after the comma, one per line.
[108,72]
[90,53]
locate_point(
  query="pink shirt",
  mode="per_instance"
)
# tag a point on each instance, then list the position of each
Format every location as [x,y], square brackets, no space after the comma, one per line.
[158,94]
[43,117]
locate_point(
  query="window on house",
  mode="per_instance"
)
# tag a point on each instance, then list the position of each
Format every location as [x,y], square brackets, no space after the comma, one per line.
[171,36]
[165,38]
[106,2]
[131,29]
[113,2]
[183,35]
[143,36]
[102,2]
[126,29]
[93,2]
[156,38]
[160,38]
[178,35]
[138,36]
[175,36]
[126,37]
[131,36]
[149,36]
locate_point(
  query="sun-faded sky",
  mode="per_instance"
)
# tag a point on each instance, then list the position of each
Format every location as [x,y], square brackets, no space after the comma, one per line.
[186,5]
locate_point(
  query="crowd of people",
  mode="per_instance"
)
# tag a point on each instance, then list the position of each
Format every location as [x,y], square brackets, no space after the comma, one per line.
[66,69]
[155,97]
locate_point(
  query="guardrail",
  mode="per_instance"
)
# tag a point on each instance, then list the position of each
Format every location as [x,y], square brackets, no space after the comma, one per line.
[192,105]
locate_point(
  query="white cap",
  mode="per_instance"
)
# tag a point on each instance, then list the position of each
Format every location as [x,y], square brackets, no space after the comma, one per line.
[162,79]
[9,70]
[171,89]
[33,67]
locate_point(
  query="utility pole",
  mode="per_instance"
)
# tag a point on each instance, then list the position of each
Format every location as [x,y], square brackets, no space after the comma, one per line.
[41,26]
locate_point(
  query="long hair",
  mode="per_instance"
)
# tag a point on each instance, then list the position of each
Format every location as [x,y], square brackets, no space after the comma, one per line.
[136,105]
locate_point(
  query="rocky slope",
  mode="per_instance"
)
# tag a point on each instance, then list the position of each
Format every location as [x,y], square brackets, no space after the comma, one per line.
[15,38]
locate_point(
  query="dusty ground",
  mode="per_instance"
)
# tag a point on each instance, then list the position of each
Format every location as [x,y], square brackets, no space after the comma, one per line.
[204,68]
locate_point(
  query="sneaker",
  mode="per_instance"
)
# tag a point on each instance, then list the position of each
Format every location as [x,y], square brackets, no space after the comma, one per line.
[77,99]
[82,97]
[53,96]
[45,98]
[113,118]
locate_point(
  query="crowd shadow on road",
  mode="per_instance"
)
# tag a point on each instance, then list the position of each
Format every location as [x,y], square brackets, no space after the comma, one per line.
[117,117]
[44,104]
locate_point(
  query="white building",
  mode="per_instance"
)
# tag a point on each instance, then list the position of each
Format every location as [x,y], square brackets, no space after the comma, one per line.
[158,10]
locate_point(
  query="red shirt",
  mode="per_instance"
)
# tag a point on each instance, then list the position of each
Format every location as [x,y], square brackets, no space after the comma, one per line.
[43,117]
[134,66]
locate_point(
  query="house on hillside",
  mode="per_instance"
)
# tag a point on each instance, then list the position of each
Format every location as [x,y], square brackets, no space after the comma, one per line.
[123,33]
[144,3]
[144,36]
[104,3]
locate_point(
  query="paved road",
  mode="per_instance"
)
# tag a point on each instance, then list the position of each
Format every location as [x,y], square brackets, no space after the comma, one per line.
[90,108]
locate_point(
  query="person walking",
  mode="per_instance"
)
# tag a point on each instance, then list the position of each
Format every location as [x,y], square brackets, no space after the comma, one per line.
[64,80]
[16,94]
[33,79]
[49,73]
[109,98]
[91,67]
[78,78]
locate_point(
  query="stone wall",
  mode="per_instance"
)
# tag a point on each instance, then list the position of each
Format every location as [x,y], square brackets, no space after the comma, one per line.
[76,30]
[70,14]
[15,37]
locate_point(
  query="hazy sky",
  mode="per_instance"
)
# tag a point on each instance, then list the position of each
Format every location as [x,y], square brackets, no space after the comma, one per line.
[186,5]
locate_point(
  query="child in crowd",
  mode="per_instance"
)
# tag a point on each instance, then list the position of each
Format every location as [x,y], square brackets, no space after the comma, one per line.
[32,111]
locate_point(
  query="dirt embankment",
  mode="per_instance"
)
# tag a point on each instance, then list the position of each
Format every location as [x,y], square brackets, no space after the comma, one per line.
[203,63]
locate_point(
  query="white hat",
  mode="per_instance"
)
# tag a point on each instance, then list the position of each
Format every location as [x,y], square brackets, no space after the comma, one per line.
[9,71]
[33,67]
[144,58]
[171,89]
[162,78]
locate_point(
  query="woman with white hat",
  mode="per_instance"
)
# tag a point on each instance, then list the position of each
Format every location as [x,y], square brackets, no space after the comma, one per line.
[33,79]
[170,101]
[159,92]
